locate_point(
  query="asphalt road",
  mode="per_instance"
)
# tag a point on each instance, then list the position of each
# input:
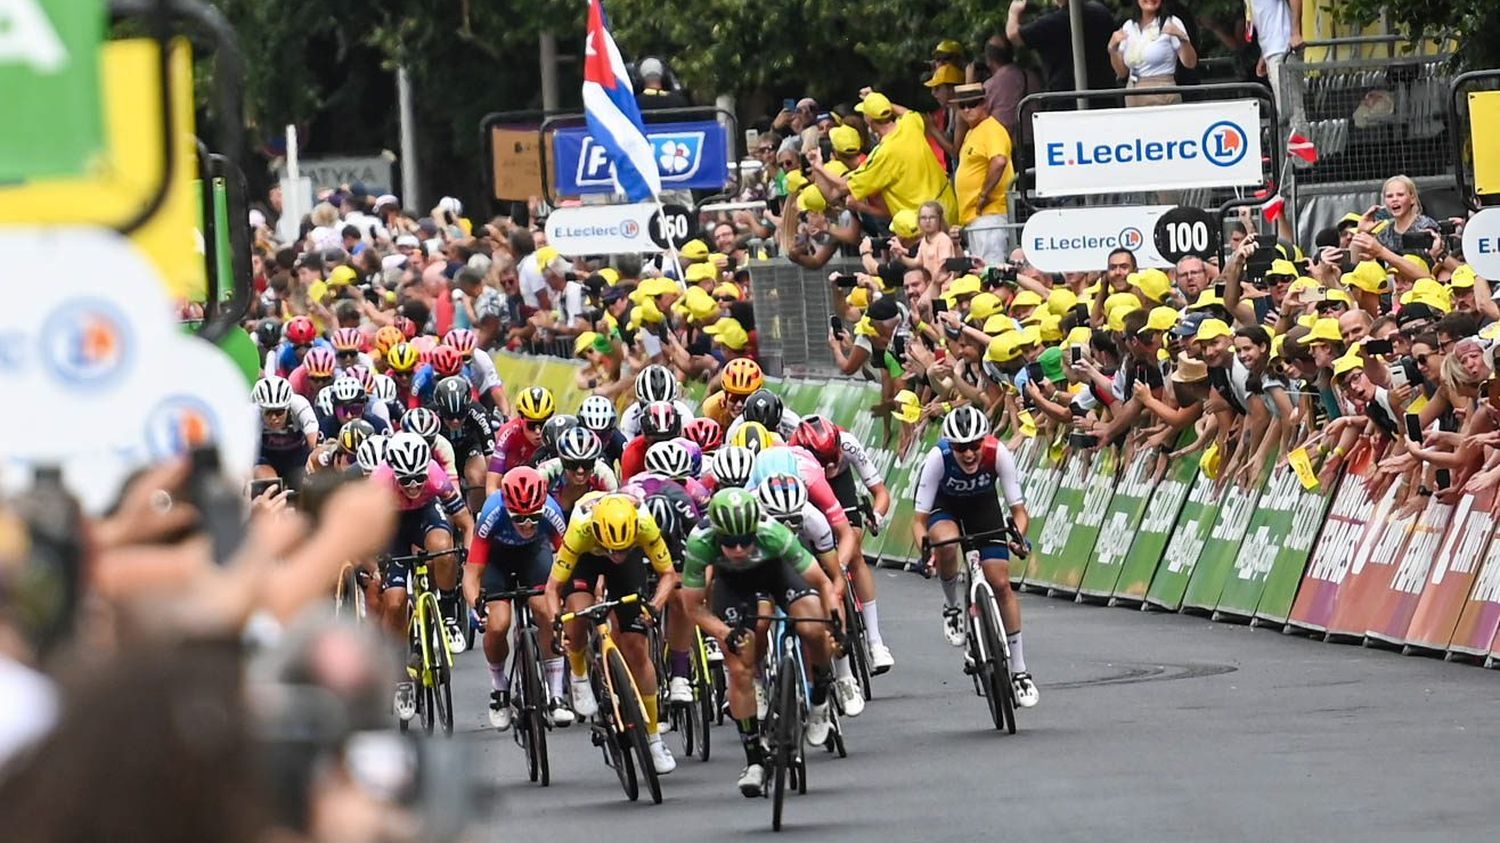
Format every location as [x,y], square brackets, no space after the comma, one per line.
[1151,726]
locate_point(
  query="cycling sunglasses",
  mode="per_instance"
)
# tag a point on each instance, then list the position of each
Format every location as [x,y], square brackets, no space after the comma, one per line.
[352,353]
[395,373]
[526,520]
[411,480]
[577,465]
[535,425]
[737,541]
[965,447]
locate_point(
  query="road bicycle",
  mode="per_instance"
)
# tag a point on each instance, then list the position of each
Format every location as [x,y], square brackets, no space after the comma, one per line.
[619,729]
[856,644]
[349,593]
[528,683]
[987,654]
[689,720]
[433,675]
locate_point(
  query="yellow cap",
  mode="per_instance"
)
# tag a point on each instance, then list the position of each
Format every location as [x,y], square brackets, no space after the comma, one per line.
[1419,260]
[729,333]
[700,272]
[545,256]
[948,47]
[1061,300]
[318,291]
[1463,277]
[1120,299]
[1115,319]
[1283,267]
[1051,329]
[1162,319]
[1004,348]
[908,408]
[1031,335]
[645,313]
[1207,298]
[964,285]
[341,276]
[1302,283]
[1324,330]
[701,306]
[838,168]
[811,199]
[719,260]
[1025,298]
[1368,276]
[728,289]
[983,306]
[1431,289]
[697,250]
[610,275]
[1347,363]
[795,181]
[1078,336]
[1338,296]
[584,340]
[1153,284]
[904,223]
[1212,329]
[946,74]
[844,139]
[858,298]
[1000,323]
[875,106]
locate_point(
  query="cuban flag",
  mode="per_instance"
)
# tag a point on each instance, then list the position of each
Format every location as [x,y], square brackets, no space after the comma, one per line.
[614,118]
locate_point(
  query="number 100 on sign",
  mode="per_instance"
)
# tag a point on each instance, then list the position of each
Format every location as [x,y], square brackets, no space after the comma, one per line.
[1184,232]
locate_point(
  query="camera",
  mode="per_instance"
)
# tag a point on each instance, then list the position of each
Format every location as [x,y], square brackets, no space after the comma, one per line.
[844,281]
[1000,276]
[1378,347]
[957,265]
[1418,241]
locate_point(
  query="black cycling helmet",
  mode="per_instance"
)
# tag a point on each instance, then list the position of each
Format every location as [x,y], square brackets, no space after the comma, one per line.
[451,397]
[555,426]
[764,406]
[665,512]
[268,332]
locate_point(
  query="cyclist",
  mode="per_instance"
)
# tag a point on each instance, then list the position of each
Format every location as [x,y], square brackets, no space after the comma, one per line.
[660,422]
[517,440]
[519,529]
[300,335]
[348,348]
[765,408]
[288,431]
[756,560]
[349,402]
[787,459]
[426,424]
[427,501]
[706,433]
[838,452]
[443,361]
[957,493]
[317,371]
[467,430]
[655,383]
[607,539]
[731,468]
[742,377]
[598,415]
[753,435]
[784,498]
[383,393]
[385,339]
[577,469]
[479,370]
[370,456]
[552,433]
[401,365]
[371,382]
[338,453]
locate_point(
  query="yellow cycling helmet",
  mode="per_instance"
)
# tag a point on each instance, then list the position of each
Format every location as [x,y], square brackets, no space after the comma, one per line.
[753,435]
[402,357]
[614,521]
[742,376]
[536,403]
[387,338]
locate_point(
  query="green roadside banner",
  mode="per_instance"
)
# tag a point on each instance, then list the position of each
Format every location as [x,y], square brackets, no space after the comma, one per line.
[1121,518]
[1280,592]
[1193,526]
[1038,487]
[1068,541]
[1266,539]
[1155,531]
[1216,559]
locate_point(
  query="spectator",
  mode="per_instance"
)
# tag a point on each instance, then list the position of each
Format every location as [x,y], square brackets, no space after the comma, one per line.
[936,246]
[984,175]
[1008,84]
[901,171]
[1276,25]
[943,127]
[1050,36]
[1147,49]
[654,94]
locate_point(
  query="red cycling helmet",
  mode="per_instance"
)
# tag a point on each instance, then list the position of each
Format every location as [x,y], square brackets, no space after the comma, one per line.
[319,362]
[300,331]
[524,489]
[407,326]
[661,421]
[820,436]
[446,360]
[347,339]
[705,432]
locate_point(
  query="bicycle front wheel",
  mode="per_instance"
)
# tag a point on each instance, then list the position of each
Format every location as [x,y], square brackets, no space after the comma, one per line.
[532,702]
[858,646]
[633,722]
[786,732]
[995,674]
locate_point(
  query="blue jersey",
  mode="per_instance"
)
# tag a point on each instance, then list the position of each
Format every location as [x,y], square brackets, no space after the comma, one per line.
[942,478]
[424,382]
[286,356]
[495,524]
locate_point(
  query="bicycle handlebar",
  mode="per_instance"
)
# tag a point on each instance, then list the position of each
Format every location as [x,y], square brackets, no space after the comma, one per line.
[424,555]
[1009,532]
[514,594]
[597,612]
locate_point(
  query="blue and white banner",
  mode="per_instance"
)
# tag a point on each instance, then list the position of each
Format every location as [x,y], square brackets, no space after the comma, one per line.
[688,155]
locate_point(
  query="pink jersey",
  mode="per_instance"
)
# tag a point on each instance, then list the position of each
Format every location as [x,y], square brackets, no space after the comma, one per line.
[437,488]
[512,448]
[782,458]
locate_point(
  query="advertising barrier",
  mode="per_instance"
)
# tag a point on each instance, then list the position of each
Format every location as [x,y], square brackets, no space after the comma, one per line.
[691,154]
[1361,560]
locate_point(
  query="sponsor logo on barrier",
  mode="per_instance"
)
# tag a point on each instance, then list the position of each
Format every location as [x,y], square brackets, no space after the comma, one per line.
[1471,539]
[85,341]
[1487,587]
[1055,534]
[178,424]
[1163,508]
[1114,540]
[1137,480]
[1305,522]
[1335,552]
[1415,562]
[1234,515]
[1185,547]
[1258,556]
[1095,501]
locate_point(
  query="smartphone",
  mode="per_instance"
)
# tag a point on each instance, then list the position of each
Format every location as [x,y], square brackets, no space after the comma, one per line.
[939,306]
[1379,347]
[1082,440]
[1034,372]
[751,136]
[1076,354]
[1219,289]
[1398,377]
[1414,427]
[259,487]
[847,282]
[788,105]
[1417,241]
[1444,478]
[837,325]
[958,264]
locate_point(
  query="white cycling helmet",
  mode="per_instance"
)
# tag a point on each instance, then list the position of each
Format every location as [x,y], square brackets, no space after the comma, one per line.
[408,454]
[347,390]
[371,453]
[669,458]
[324,400]
[655,383]
[423,422]
[597,413]
[965,424]
[272,393]
[383,389]
[732,465]
[579,444]
[782,495]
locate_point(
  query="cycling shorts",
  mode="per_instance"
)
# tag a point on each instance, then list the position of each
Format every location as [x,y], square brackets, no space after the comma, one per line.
[289,465]
[977,514]
[513,566]
[737,594]
[412,527]
[844,489]
[628,577]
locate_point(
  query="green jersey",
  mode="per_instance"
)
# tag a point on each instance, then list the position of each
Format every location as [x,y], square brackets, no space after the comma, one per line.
[772,541]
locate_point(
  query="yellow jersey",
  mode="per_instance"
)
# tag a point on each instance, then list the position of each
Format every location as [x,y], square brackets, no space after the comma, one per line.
[579,541]
[713,407]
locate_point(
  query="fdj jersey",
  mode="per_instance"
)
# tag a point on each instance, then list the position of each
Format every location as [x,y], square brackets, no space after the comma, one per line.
[943,478]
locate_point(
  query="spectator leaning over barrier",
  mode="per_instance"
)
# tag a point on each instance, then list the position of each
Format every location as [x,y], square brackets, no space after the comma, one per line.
[983,177]
[901,170]
[1050,36]
[1147,48]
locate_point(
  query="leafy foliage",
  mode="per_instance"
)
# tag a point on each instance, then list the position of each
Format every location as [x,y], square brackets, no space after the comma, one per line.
[1476,21]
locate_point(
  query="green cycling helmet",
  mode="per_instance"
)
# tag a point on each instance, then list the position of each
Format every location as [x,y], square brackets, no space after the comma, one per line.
[734,512]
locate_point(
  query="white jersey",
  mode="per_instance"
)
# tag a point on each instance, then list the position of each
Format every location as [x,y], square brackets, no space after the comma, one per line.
[630,420]
[482,373]
[856,456]
[785,427]
[816,533]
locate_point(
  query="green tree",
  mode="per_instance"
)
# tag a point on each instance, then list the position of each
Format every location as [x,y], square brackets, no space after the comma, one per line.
[1477,22]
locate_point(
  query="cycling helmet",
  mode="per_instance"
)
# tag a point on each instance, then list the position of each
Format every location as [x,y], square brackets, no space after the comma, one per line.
[388,337]
[406,326]
[365,377]
[579,444]
[353,434]
[556,427]
[536,403]
[665,514]
[765,407]
[782,496]
[753,435]
[462,340]
[382,388]
[300,330]
[669,458]
[655,383]
[408,454]
[732,465]
[705,432]
[272,393]
[524,490]
[346,391]
[402,357]
[734,512]
[613,522]
[421,421]
[597,413]
[819,436]
[446,360]
[742,376]
[268,333]
[661,421]
[695,456]
[451,397]
[320,362]
[324,401]
[347,339]
[965,424]
[371,453]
